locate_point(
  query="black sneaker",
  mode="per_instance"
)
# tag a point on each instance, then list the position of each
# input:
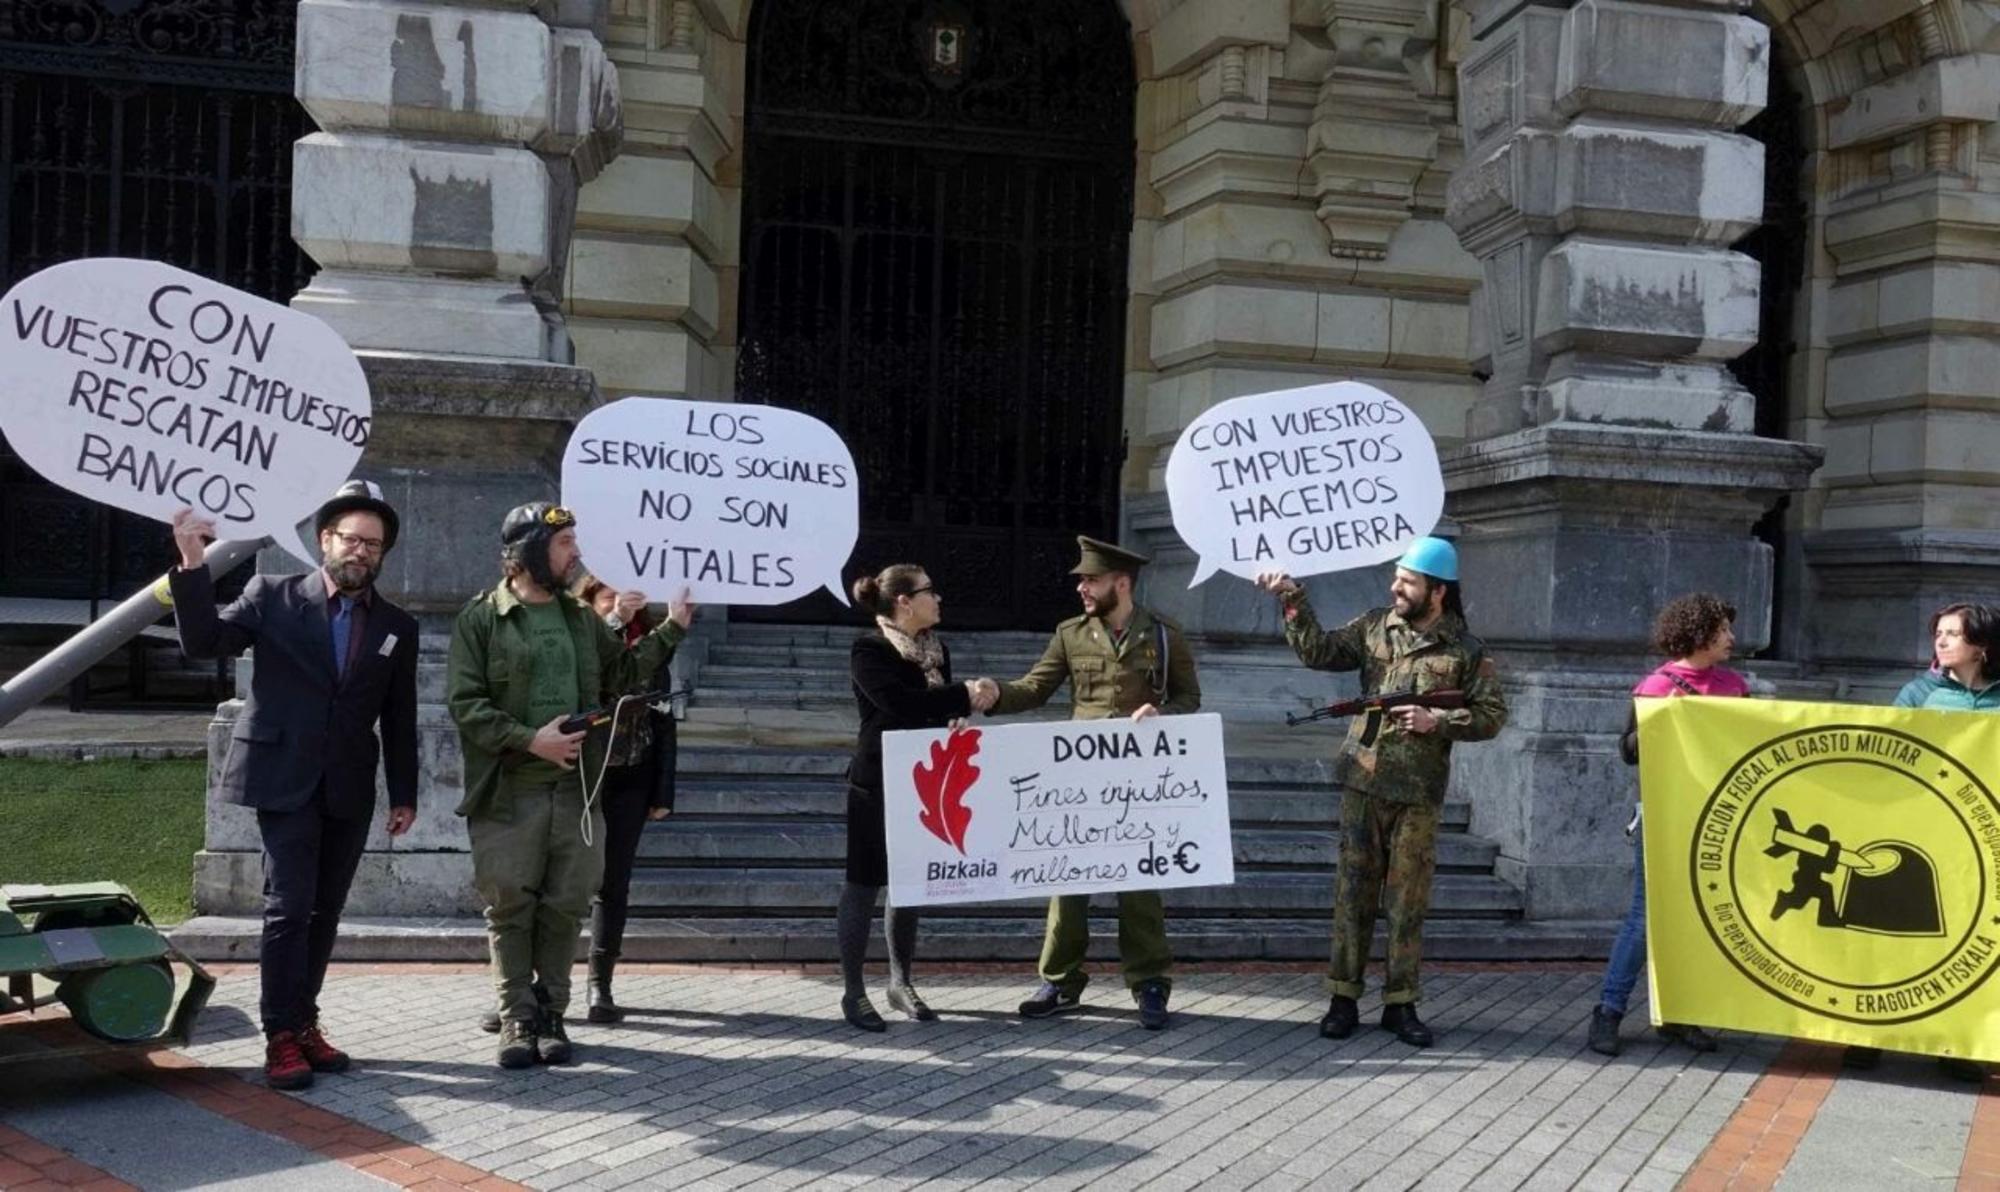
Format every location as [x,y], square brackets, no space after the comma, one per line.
[1050,1001]
[1340,1019]
[1604,1031]
[1691,1037]
[1401,1021]
[517,1043]
[1152,998]
[552,1042]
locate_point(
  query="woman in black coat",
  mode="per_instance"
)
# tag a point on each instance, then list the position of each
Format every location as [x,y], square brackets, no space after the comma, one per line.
[902,680]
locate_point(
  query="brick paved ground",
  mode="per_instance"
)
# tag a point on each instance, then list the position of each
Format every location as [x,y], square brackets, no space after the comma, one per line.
[749,1079]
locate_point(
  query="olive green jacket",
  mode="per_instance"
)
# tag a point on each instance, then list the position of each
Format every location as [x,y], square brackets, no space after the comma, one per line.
[487,681]
[1392,656]
[1106,681]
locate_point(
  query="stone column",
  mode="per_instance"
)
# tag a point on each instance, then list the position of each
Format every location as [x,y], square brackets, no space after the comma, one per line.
[437,198]
[1292,166]
[651,295]
[1908,506]
[1609,465]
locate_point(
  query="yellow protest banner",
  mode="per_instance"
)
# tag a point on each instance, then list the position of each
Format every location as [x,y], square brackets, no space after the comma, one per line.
[1829,871]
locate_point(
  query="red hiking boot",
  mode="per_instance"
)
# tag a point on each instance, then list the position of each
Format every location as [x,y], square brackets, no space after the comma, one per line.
[322,1055]
[285,1066]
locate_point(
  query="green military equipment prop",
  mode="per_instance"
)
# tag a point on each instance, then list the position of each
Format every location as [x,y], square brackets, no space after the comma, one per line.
[110,966]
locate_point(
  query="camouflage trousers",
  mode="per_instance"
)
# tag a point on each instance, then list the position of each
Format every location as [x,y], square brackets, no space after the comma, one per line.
[1381,841]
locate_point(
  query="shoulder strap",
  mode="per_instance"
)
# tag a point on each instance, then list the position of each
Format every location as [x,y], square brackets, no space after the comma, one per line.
[1686,687]
[1160,675]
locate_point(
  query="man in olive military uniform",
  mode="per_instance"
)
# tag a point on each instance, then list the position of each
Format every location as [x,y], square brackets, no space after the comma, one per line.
[1120,660]
[1394,767]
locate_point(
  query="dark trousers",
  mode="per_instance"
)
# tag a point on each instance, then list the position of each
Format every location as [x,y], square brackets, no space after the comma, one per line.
[627,791]
[309,862]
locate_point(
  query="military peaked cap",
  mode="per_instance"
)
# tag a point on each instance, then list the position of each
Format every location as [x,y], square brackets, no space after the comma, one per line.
[1097,558]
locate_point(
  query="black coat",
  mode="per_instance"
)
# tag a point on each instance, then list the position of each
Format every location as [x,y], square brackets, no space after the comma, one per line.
[303,725]
[890,693]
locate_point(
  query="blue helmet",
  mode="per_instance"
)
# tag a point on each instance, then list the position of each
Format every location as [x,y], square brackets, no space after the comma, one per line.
[1433,557]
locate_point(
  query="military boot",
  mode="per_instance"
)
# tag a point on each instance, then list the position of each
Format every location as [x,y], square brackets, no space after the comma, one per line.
[1341,1016]
[1401,1021]
[552,1041]
[598,1003]
[517,1043]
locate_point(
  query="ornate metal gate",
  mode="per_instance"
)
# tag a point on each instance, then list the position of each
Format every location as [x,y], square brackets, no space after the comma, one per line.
[937,205]
[138,128]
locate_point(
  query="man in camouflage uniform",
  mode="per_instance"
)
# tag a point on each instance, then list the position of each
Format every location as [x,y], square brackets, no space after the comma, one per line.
[1120,660]
[1394,767]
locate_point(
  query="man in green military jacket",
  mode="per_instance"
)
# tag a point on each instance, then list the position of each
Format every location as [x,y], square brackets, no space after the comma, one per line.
[1394,767]
[525,656]
[1119,660]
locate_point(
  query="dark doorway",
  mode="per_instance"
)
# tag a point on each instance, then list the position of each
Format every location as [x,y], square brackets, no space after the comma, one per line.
[136,128]
[1779,245]
[937,205]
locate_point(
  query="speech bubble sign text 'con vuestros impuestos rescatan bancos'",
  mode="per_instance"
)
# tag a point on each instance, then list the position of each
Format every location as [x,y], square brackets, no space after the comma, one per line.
[152,389]
[1310,480]
[735,504]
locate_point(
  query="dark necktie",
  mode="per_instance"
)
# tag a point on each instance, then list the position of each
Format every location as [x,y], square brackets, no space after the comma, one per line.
[343,623]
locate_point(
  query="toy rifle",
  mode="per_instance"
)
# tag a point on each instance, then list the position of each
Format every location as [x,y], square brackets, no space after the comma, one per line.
[1373,706]
[597,716]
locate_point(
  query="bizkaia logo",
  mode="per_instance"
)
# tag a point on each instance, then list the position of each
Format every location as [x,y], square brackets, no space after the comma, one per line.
[942,786]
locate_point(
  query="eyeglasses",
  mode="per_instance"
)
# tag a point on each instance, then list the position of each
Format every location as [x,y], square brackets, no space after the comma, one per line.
[926,588]
[557,516]
[357,542]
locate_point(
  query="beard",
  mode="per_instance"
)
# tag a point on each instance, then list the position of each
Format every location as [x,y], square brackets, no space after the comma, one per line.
[352,575]
[1106,607]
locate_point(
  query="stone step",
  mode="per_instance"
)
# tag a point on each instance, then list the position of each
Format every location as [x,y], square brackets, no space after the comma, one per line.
[942,939]
[795,842]
[773,765]
[688,892]
[835,657]
[829,637]
[1250,806]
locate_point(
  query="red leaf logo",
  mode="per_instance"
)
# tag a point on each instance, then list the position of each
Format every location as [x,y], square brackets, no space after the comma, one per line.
[941,786]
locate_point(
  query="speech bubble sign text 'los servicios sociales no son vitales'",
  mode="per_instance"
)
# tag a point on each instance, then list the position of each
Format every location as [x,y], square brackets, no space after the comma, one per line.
[1309,480]
[736,504]
[152,389]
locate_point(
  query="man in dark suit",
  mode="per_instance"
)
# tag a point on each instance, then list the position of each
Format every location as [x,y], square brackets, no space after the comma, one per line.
[334,659]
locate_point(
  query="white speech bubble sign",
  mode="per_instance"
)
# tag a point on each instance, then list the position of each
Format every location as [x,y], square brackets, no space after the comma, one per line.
[1310,480]
[153,389]
[736,504]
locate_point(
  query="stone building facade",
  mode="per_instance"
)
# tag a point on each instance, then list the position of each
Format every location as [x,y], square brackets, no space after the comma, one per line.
[1534,223]
[1690,294]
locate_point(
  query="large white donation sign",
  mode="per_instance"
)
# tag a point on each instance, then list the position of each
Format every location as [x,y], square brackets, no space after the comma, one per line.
[735,504]
[1069,807]
[152,389]
[1322,478]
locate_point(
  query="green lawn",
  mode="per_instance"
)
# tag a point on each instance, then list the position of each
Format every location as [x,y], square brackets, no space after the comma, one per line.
[123,821]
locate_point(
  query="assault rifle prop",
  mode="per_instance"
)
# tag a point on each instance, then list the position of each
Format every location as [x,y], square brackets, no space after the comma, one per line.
[599,716]
[1372,706]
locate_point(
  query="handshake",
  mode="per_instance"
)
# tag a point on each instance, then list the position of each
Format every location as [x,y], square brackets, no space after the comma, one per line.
[983,692]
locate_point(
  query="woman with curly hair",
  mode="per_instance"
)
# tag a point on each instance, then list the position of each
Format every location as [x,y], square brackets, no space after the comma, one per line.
[1696,632]
[1964,676]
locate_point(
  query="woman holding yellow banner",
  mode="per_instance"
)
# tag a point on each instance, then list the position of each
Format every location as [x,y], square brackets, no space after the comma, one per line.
[1961,678]
[1696,632]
